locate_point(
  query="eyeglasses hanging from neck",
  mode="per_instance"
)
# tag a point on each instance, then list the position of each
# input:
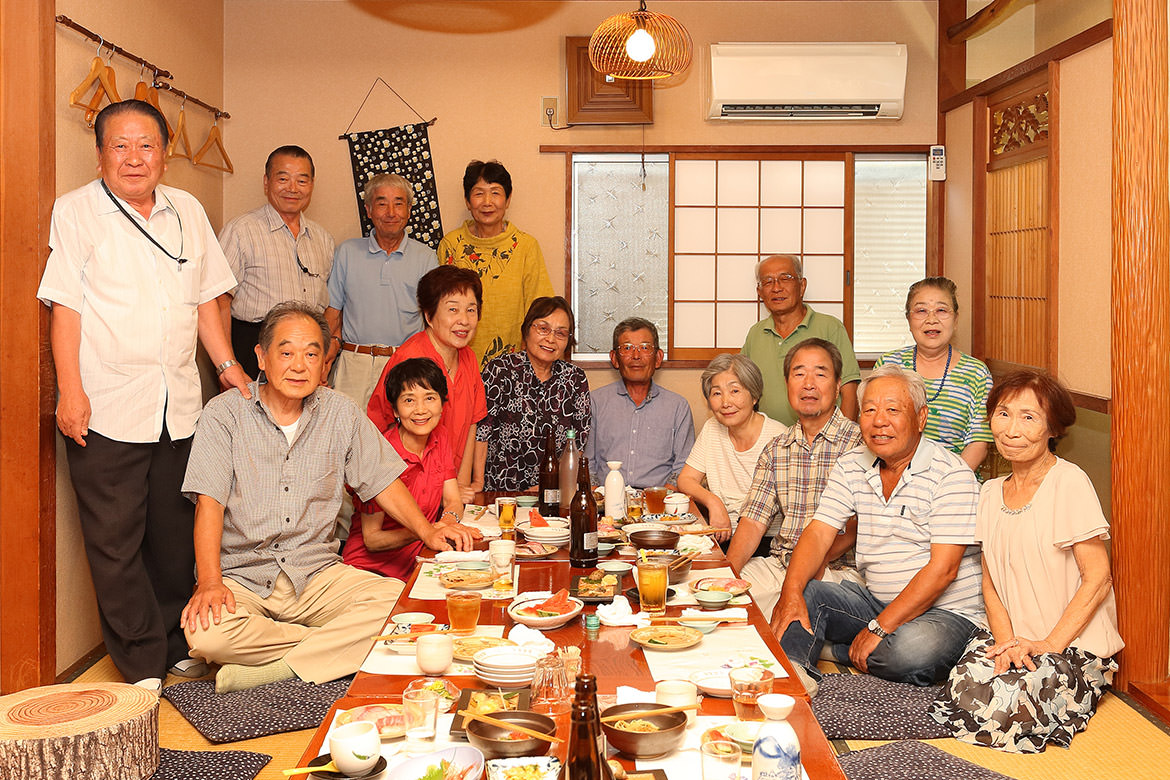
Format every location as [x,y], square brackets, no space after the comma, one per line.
[178,258]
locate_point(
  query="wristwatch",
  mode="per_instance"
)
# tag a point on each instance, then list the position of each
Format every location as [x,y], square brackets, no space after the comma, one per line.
[876,628]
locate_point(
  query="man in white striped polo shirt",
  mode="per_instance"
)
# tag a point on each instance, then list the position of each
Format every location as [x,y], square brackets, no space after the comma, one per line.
[915,506]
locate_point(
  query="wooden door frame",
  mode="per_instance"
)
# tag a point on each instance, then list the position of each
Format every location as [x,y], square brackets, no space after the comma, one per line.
[28,568]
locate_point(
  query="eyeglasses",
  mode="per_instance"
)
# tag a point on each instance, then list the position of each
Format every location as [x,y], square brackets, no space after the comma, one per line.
[630,349]
[301,266]
[921,313]
[777,281]
[543,330]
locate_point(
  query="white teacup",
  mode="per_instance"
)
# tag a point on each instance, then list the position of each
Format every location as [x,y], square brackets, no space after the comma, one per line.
[677,693]
[355,748]
[433,653]
[677,503]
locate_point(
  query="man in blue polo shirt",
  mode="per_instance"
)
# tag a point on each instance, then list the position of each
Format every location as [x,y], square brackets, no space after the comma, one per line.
[646,427]
[372,307]
[915,506]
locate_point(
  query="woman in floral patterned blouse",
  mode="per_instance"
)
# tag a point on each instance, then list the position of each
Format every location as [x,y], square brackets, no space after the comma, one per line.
[529,394]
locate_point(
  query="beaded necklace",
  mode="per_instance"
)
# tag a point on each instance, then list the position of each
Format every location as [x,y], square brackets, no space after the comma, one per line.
[946,370]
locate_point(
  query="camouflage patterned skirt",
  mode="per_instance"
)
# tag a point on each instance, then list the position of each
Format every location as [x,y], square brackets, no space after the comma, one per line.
[1020,711]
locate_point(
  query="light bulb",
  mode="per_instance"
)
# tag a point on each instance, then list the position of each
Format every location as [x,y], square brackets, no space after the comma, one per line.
[640,45]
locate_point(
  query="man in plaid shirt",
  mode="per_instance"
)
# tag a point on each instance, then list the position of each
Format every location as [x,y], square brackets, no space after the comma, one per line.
[791,474]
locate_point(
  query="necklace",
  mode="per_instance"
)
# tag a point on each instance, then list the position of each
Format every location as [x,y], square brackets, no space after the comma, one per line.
[946,370]
[1008,510]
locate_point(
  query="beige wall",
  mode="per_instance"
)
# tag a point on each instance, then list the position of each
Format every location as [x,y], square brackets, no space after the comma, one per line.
[187,40]
[1084,250]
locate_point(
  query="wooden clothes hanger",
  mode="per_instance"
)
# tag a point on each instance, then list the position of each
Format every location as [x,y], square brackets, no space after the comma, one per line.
[180,134]
[102,74]
[214,138]
[152,98]
[141,89]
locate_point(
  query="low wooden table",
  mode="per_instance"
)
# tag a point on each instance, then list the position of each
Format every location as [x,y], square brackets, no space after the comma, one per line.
[610,656]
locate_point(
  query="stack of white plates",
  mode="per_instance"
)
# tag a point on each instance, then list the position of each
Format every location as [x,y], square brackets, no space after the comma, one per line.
[506,667]
[556,534]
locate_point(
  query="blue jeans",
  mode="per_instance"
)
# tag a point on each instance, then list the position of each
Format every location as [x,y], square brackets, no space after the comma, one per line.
[922,651]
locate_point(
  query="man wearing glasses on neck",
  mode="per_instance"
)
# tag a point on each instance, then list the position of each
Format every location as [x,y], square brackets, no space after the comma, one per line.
[646,427]
[276,252]
[780,283]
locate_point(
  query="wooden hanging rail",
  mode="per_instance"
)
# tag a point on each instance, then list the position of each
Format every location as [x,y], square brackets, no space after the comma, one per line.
[174,90]
[158,72]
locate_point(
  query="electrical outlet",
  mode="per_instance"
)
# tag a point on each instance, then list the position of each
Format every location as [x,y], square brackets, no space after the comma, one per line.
[546,105]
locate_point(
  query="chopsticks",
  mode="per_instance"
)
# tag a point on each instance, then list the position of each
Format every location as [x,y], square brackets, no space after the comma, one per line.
[510,726]
[478,515]
[704,532]
[413,635]
[644,713]
[685,559]
[697,619]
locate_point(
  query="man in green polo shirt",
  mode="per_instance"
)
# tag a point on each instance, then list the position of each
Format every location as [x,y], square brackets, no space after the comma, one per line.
[780,285]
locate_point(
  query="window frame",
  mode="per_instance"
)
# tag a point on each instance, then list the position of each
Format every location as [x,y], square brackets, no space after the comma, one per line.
[758,152]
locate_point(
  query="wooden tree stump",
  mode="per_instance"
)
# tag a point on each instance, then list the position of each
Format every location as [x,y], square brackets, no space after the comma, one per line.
[81,731]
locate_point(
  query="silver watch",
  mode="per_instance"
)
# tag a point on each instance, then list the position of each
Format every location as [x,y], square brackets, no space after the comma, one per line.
[876,628]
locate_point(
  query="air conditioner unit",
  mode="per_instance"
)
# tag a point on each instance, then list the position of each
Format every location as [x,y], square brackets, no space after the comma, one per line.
[807,80]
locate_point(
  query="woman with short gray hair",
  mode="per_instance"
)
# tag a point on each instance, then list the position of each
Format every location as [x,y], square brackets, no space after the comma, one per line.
[726,450]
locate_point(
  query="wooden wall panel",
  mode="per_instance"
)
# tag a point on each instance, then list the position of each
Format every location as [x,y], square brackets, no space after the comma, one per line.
[27,472]
[1140,447]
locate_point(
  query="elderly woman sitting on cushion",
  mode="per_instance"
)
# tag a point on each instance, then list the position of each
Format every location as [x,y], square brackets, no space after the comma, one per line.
[730,443]
[1037,678]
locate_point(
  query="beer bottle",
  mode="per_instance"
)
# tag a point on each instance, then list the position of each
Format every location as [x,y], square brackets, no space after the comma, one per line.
[550,472]
[583,521]
[586,756]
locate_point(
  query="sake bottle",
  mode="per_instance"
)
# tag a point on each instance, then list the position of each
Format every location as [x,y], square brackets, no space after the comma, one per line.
[615,491]
[776,751]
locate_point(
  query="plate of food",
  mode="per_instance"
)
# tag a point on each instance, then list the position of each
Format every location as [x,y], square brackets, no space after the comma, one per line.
[465,647]
[545,613]
[484,702]
[446,690]
[532,550]
[596,586]
[467,580]
[735,587]
[407,645]
[670,519]
[608,532]
[666,637]
[531,768]
[388,718]
[454,763]
[713,682]
[719,734]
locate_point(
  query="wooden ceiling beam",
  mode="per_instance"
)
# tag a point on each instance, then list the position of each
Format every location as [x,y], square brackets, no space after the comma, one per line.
[980,20]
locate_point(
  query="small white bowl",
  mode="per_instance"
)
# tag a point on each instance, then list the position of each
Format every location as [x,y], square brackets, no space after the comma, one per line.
[615,567]
[775,706]
[410,618]
[702,626]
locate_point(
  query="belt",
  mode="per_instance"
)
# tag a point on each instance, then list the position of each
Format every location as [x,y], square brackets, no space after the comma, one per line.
[364,349]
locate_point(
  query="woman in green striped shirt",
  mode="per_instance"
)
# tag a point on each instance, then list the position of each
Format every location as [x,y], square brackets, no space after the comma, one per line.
[957,383]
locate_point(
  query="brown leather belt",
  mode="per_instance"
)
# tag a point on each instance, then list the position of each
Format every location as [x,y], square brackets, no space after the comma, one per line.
[363,349]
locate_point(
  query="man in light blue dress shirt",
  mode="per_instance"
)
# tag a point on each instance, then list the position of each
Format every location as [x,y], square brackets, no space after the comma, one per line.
[372,306]
[646,427]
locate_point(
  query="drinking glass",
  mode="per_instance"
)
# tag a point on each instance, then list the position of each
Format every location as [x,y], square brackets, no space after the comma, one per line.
[433,653]
[748,683]
[421,711]
[721,760]
[506,513]
[550,686]
[655,500]
[678,693]
[463,611]
[634,505]
[502,555]
[652,577]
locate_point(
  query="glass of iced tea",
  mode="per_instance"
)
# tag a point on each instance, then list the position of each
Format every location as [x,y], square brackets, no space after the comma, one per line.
[506,513]
[749,683]
[652,579]
[655,500]
[463,611]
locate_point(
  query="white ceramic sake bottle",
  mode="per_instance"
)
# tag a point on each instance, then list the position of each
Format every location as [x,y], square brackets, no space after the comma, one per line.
[776,752]
[615,491]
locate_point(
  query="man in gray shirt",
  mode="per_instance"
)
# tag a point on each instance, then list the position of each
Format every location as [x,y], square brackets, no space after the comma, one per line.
[273,599]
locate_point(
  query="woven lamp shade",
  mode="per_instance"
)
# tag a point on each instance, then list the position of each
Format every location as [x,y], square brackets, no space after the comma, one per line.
[672,46]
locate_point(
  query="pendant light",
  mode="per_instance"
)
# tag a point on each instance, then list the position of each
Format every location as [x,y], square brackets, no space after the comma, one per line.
[640,45]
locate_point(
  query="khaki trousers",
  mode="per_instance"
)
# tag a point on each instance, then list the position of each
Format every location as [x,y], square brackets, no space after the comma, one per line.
[767,578]
[323,634]
[357,375]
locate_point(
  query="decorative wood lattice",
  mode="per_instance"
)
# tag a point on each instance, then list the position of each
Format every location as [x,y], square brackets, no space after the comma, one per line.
[1018,270]
[1019,125]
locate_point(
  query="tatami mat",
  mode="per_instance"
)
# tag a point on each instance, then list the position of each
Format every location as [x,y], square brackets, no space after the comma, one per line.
[1119,744]
[176,733]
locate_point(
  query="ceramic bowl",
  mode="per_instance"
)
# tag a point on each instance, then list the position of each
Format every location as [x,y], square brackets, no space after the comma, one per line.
[473,565]
[775,706]
[712,599]
[620,568]
[488,738]
[654,539]
[672,730]
[543,623]
[702,626]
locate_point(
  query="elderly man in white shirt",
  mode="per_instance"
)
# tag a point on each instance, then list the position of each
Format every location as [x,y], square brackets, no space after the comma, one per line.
[132,279]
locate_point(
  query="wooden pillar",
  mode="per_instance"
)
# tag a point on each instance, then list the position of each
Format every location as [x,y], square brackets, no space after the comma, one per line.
[1140,429]
[27,474]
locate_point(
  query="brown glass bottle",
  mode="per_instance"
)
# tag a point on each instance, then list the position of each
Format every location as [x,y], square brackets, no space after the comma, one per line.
[550,476]
[583,521]
[586,756]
